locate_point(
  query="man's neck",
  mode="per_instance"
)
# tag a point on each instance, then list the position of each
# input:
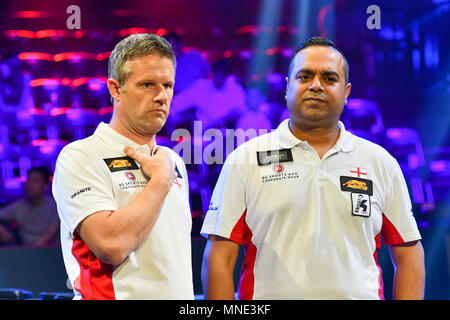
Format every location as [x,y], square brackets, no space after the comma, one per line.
[139,139]
[37,201]
[322,138]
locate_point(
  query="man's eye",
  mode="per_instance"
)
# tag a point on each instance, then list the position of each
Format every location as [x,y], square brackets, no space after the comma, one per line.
[147,84]
[304,77]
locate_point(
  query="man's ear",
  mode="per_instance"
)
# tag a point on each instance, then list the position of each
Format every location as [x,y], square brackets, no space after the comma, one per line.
[287,86]
[114,88]
[348,88]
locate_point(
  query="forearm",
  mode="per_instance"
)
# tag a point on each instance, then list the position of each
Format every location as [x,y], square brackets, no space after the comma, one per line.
[409,283]
[136,220]
[409,278]
[112,235]
[217,281]
[217,269]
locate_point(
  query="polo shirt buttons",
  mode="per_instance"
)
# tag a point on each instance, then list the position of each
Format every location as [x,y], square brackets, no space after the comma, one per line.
[321,172]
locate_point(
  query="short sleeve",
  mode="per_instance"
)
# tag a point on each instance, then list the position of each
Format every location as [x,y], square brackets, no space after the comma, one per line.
[80,187]
[226,212]
[399,225]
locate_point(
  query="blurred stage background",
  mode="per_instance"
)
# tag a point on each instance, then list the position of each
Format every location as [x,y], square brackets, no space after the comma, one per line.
[53,89]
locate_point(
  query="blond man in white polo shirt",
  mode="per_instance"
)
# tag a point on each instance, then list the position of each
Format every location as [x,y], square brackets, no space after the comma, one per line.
[310,202]
[123,201]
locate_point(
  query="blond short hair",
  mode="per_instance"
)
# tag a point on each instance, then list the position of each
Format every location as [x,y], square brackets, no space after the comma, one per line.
[136,46]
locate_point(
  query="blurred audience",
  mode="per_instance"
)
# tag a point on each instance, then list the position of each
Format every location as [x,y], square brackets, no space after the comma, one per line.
[32,220]
[15,91]
[216,101]
[191,65]
[254,117]
[275,106]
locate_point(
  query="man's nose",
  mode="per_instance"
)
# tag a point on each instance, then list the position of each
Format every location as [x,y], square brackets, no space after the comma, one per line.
[316,84]
[161,94]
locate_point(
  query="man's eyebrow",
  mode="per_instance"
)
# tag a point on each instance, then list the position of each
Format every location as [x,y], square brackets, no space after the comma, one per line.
[324,73]
[304,70]
[149,80]
[330,73]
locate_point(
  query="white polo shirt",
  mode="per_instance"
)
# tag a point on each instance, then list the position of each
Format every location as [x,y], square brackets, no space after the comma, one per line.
[311,227]
[94,174]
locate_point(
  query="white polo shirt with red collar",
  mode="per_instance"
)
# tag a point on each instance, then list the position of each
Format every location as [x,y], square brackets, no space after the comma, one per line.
[94,174]
[311,227]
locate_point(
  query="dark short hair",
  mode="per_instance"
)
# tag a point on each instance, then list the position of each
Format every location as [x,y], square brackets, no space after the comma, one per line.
[322,42]
[43,171]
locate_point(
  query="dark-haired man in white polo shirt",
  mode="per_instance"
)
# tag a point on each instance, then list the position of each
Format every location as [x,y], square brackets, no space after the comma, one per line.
[310,201]
[122,200]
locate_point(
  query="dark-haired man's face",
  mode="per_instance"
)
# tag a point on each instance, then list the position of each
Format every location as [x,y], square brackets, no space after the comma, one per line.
[36,185]
[316,90]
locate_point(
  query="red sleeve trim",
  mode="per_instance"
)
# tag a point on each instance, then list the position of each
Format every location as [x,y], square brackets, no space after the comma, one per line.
[390,233]
[243,235]
[237,234]
[95,279]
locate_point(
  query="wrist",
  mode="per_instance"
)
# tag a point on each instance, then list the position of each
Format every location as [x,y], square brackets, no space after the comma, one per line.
[161,183]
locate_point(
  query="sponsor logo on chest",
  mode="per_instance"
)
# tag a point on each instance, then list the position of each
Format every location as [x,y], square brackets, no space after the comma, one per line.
[276,165]
[360,191]
[354,184]
[129,180]
[120,163]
